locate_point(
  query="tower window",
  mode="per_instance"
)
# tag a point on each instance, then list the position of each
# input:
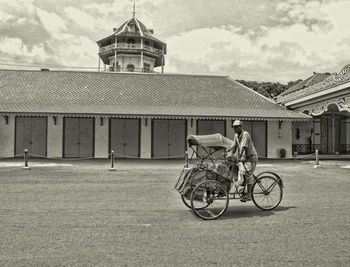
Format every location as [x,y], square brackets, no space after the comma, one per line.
[131,41]
[147,43]
[130,67]
[131,27]
[146,67]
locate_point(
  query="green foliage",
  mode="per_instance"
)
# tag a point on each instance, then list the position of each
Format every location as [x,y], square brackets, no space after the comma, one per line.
[269,89]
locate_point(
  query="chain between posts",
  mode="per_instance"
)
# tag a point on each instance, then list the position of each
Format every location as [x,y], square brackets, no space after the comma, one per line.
[26,155]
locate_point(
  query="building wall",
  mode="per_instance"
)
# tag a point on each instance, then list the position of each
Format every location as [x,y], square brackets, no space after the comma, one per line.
[101,137]
[276,138]
[146,138]
[7,136]
[279,138]
[54,137]
[302,136]
[125,60]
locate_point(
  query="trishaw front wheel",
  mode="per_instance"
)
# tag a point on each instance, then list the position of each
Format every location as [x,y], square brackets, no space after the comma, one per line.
[209,200]
[267,192]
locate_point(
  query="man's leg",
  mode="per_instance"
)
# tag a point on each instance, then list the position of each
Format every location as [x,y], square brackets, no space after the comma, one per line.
[250,168]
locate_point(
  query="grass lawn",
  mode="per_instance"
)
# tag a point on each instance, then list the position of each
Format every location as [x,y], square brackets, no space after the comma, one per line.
[78,213]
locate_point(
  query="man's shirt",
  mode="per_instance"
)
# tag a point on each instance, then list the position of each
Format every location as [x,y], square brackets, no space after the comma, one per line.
[245,146]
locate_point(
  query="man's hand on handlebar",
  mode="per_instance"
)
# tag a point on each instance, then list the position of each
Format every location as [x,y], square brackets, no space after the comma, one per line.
[242,160]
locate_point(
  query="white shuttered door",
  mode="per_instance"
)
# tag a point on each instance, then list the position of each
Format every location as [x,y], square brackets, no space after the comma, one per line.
[78,137]
[31,135]
[169,138]
[124,137]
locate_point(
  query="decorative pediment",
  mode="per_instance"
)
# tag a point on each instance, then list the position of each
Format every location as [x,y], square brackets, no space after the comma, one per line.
[332,81]
[317,109]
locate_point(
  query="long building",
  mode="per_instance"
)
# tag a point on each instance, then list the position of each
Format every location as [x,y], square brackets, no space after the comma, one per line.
[87,114]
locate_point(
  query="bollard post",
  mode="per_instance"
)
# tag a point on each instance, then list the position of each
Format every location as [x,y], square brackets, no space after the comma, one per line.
[112,162]
[317,159]
[186,159]
[26,167]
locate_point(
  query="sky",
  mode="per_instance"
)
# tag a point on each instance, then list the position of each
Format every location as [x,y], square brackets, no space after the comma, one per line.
[257,40]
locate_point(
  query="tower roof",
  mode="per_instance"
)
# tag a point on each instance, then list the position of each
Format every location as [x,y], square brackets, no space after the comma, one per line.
[141,29]
[126,30]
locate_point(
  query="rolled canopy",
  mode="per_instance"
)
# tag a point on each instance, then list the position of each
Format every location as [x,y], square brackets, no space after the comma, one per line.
[216,141]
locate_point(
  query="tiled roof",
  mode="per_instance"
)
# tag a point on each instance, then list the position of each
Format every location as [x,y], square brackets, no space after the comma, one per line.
[134,94]
[331,81]
[315,78]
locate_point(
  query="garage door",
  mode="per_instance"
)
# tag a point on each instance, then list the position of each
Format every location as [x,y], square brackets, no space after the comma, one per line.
[31,133]
[210,127]
[169,138]
[257,130]
[78,137]
[125,137]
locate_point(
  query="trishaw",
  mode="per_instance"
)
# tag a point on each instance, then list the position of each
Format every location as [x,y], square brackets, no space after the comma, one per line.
[206,181]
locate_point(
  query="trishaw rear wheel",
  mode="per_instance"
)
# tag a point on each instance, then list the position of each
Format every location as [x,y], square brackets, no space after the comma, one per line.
[209,200]
[187,202]
[267,192]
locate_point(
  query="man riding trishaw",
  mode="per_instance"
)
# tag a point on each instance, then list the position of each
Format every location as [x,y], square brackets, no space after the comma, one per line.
[244,151]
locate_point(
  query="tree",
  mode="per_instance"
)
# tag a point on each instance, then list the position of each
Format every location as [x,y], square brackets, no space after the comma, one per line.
[269,89]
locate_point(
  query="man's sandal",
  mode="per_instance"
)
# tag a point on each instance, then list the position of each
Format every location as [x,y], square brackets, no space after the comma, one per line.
[246,198]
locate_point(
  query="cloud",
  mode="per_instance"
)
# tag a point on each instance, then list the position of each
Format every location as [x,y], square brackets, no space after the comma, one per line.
[303,12]
[51,21]
[80,17]
[260,40]
[283,52]
[31,34]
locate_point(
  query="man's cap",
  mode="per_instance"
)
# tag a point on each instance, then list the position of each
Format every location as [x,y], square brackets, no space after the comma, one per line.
[237,123]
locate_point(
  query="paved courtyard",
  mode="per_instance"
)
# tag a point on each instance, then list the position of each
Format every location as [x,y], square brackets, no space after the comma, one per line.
[77,213]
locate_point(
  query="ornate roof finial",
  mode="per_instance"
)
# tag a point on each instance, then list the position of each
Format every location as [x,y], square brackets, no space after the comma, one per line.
[134,9]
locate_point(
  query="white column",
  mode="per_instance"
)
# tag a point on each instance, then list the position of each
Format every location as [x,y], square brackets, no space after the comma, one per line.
[99,58]
[101,137]
[163,58]
[317,133]
[7,136]
[230,133]
[279,138]
[191,130]
[146,138]
[115,54]
[141,55]
[54,137]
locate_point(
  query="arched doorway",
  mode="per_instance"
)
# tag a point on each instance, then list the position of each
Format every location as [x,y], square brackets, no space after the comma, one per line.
[130,67]
[333,131]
